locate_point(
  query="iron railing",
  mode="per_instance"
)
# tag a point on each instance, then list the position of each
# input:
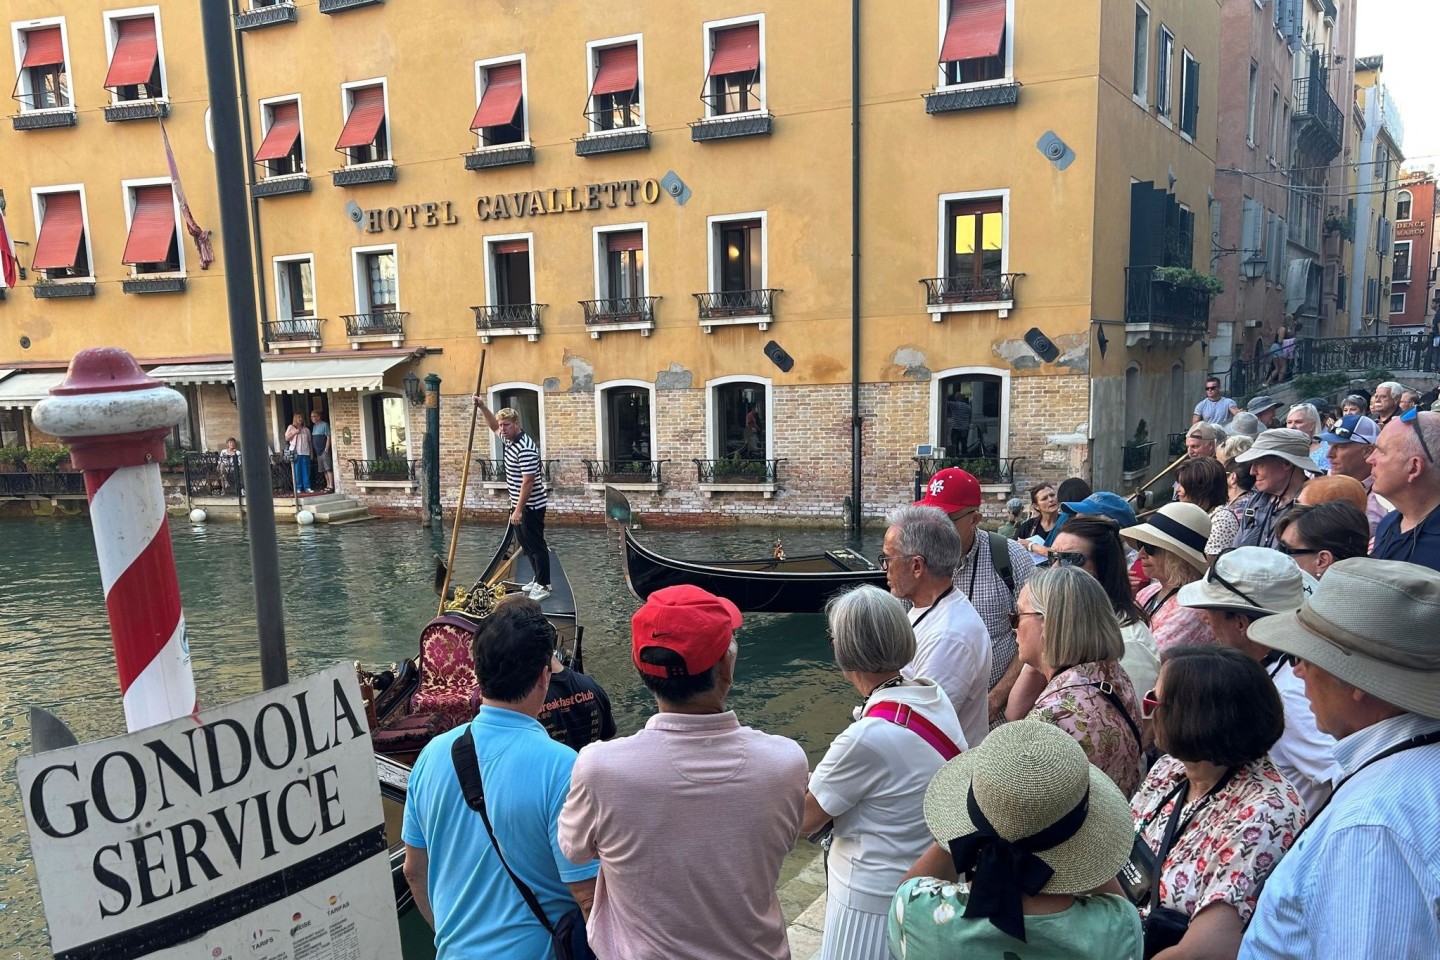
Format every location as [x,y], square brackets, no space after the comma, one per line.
[723,304]
[51,483]
[376,323]
[395,469]
[620,310]
[508,316]
[1335,355]
[623,471]
[1175,444]
[207,474]
[1137,456]
[738,471]
[293,329]
[493,471]
[970,98]
[992,288]
[1316,110]
[1149,299]
[988,470]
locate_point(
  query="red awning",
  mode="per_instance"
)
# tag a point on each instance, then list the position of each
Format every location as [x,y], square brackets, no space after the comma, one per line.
[152,228]
[284,131]
[367,111]
[43,48]
[737,50]
[619,70]
[976,29]
[629,240]
[511,246]
[60,231]
[501,97]
[135,53]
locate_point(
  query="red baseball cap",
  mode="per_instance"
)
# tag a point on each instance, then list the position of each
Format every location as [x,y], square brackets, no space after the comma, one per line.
[952,490]
[685,620]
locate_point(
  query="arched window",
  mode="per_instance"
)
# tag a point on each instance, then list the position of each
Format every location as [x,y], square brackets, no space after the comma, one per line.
[971,415]
[1132,399]
[739,418]
[625,422]
[524,399]
[1403,202]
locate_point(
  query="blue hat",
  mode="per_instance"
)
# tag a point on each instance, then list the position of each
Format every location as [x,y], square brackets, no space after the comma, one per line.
[1352,428]
[1104,504]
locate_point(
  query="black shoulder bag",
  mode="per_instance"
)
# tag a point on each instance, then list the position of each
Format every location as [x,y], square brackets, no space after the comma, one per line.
[568,934]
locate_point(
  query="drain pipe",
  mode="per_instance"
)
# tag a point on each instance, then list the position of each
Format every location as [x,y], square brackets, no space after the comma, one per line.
[856,431]
[247,137]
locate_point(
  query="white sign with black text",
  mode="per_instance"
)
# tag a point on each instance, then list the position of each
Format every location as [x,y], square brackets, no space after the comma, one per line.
[252,831]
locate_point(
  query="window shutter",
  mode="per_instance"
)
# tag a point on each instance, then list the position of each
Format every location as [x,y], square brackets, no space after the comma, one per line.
[618,70]
[511,246]
[152,227]
[1249,230]
[501,98]
[136,51]
[284,131]
[367,112]
[737,50]
[1148,211]
[976,29]
[628,240]
[43,48]
[58,246]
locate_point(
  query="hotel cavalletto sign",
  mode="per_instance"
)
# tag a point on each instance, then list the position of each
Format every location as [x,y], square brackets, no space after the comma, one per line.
[525,203]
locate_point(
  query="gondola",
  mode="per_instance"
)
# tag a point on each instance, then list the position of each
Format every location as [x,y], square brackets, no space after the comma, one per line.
[776,584]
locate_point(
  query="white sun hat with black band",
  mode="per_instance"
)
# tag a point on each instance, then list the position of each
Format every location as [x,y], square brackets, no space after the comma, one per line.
[1181,528]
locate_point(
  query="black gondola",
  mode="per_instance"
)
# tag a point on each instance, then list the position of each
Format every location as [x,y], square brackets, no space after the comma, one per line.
[776,584]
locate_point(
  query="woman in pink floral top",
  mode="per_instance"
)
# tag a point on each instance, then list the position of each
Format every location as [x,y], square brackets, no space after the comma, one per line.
[1067,631]
[1172,554]
[1216,714]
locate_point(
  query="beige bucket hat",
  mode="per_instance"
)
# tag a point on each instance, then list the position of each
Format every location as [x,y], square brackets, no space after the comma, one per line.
[1292,446]
[1181,528]
[1371,623]
[1253,580]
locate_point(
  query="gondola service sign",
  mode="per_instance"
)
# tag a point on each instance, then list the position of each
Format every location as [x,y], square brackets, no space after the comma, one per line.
[251,831]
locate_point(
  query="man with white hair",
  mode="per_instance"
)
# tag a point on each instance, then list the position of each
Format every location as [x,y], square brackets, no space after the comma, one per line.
[1386,402]
[1403,465]
[1202,439]
[919,556]
[1363,877]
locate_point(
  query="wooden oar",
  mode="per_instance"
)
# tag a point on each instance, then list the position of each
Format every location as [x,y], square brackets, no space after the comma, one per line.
[1140,490]
[464,485]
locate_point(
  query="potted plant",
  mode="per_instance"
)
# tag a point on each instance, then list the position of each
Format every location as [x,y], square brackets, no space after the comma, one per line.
[45,459]
[1183,277]
[12,459]
[390,468]
[733,468]
[1335,222]
[1137,449]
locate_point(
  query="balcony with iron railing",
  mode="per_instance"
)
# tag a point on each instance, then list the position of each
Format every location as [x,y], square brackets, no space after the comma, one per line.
[619,313]
[265,15]
[624,474]
[738,475]
[1160,311]
[508,320]
[492,472]
[730,307]
[1319,122]
[375,326]
[996,474]
[994,291]
[1135,458]
[388,471]
[293,332]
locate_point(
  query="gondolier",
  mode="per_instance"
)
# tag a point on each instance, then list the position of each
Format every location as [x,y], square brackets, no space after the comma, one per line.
[528,495]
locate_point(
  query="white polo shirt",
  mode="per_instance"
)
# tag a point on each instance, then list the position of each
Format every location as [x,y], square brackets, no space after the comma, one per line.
[952,647]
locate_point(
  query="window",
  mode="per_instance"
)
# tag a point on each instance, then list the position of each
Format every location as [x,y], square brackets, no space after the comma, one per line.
[623,273]
[136,69]
[1251,95]
[1164,68]
[615,102]
[1140,82]
[1400,271]
[366,137]
[732,76]
[1274,123]
[1403,202]
[511,276]
[1342,288]
[379,284]
[1397,303]
[969,415]
[295,291]
[524,400]
[739,420]
[500,115]
[975,242]
[1382,236]
[283,150]
[153,244]
[739,247]
[1382,162]
[1283,153]
[44,81]
[1189,94]
[62,250]
[625,422]
[12,427]
[975,47]
[1372,295]
[388,432]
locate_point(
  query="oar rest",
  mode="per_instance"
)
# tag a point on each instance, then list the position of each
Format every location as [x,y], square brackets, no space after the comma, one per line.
[447,694]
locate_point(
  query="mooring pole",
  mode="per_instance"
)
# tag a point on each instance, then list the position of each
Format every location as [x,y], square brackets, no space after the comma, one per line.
[431,458]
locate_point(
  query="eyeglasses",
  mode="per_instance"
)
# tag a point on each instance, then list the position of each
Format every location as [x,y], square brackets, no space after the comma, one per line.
[1148,703]
[1213,576]
[885,560]
[1148,549]
[964,514]
[1290,551]
[1412,417]
[1016,615]
[1067,558]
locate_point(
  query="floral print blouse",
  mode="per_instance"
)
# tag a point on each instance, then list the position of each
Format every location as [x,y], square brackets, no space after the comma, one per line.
[1073,701]
[1173,624]
[1233,841]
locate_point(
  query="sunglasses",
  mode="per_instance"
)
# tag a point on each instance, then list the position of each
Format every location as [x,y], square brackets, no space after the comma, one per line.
[1290,551]
[1208,389]
[1412,417]
[1148,549]
[1148,703]
[1016,615]
[1065,558]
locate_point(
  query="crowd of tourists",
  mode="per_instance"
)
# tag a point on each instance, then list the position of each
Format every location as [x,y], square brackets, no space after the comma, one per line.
[1207,730]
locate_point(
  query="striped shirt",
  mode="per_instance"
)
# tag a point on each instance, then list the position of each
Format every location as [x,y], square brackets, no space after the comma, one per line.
[1364,880]
[522,459]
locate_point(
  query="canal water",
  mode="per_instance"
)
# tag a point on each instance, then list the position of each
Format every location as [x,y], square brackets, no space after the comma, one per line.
[357,592]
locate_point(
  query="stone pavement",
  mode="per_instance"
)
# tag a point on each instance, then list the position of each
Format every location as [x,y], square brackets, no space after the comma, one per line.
[802,900]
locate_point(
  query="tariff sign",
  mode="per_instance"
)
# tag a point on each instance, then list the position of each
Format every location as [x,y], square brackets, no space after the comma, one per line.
[253,830]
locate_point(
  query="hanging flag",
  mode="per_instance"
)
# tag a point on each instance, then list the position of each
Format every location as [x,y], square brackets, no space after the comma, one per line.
[9,265]
[200,235]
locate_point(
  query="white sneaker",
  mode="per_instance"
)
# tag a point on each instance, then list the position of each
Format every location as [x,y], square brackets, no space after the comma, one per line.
[539,593]
[529,588]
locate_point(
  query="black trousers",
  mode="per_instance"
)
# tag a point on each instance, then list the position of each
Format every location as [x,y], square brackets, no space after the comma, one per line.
[531,533]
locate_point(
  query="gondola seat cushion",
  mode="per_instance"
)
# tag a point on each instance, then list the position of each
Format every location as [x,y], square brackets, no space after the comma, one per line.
[447,671]
[402,739]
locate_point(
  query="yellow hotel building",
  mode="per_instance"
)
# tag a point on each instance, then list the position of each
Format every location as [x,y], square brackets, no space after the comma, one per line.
[644,215]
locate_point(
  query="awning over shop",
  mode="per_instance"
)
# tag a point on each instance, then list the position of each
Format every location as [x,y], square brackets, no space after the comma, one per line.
[976,29]
[1297,279]
[135,53]
[28,389]
[365,374]
[180,374]
[5,372]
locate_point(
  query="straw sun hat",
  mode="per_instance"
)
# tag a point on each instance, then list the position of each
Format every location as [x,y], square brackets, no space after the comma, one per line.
[1026,776]
[1181,528]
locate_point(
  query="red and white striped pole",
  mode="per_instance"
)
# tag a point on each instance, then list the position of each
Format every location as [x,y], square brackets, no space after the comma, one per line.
[114,418]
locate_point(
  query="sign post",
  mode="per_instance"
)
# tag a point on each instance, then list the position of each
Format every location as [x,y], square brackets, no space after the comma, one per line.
[252,831]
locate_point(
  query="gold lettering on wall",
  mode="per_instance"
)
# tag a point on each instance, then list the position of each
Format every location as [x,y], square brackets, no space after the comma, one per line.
[518,205]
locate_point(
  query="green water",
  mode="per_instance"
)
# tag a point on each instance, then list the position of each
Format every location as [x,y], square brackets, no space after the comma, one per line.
[358,592]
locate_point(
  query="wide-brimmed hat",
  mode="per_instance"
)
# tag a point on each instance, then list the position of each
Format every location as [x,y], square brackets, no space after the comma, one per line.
[1352,428]
[1025,777]
[1259,405]
[1181,528]
[1371,623]
[1102,504]
[1254,580]
[1292,446]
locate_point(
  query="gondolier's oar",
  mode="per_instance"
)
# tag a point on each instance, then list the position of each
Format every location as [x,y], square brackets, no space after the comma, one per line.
[464,485]
[1140,490]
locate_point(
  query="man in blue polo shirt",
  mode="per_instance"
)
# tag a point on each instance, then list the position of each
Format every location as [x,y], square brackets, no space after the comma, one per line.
[1405,472]
[459,883]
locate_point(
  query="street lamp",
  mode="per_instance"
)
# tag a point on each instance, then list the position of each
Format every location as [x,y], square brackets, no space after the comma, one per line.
[413,390]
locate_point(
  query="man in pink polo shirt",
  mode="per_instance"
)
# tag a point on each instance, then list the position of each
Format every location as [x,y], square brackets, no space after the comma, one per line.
[692,816]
